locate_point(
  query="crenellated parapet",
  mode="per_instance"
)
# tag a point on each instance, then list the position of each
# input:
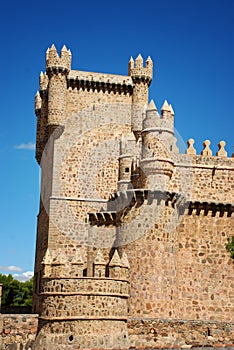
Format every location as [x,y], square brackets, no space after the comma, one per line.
[122,202]
[221,152]
[140,72]
[211,208]
[56,63]
[160,126]
[165,120]
[56,264]
[99,82]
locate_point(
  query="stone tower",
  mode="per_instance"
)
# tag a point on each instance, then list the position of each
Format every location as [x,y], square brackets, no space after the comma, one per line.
[130,231]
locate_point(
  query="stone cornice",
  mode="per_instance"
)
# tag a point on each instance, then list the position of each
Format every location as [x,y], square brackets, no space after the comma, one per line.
[100,81]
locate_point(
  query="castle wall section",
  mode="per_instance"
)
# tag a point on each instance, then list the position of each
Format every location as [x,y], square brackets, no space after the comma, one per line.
[204,288]
[18,332]
[179,334]
[204,178]
[183,274]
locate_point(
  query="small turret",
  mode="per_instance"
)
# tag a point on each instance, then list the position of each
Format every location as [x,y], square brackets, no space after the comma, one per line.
[141,77]
[125,166]
[57,69]
[157,143]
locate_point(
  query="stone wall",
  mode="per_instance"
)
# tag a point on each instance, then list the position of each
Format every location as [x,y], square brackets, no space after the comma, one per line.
[179,268]
[210,178]
[17,332]
[153,334]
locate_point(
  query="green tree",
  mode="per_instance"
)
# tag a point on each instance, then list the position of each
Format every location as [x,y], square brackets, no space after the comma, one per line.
[16,293]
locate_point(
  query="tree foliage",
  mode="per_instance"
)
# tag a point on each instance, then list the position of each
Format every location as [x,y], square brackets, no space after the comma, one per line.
[230,246]
[16,293]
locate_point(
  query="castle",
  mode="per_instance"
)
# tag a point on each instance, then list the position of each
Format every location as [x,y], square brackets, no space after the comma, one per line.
[131,235]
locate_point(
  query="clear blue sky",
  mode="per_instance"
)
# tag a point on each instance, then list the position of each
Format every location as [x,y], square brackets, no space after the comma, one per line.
[191,44]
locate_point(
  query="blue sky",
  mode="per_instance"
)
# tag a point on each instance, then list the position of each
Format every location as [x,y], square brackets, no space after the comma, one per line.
[190,42]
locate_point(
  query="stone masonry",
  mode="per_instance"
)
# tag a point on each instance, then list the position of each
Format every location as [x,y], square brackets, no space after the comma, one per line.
[131,239]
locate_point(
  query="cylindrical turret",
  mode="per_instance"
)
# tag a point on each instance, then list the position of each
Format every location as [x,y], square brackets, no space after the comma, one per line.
[57,69]
[141,77]
[80,311]
[125,166]
[156,162]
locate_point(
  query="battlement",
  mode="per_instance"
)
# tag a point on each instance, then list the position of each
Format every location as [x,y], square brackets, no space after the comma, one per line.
[206,149]
[138,71]
[57,264]
[154,119]
[100,82]
[122,202]
[56,62]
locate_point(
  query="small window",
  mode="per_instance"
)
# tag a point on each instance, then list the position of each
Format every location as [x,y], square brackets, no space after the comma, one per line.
[126,170]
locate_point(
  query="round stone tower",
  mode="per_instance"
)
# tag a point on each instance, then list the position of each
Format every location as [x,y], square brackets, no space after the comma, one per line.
[83,312]
[57,69]
[141,77]
[157,141]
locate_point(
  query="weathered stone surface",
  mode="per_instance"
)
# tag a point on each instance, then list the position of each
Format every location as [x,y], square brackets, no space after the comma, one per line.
[136,231]
[18,331]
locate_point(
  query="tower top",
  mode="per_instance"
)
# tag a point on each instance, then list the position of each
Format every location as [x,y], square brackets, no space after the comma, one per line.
[56,62]
[138,71]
